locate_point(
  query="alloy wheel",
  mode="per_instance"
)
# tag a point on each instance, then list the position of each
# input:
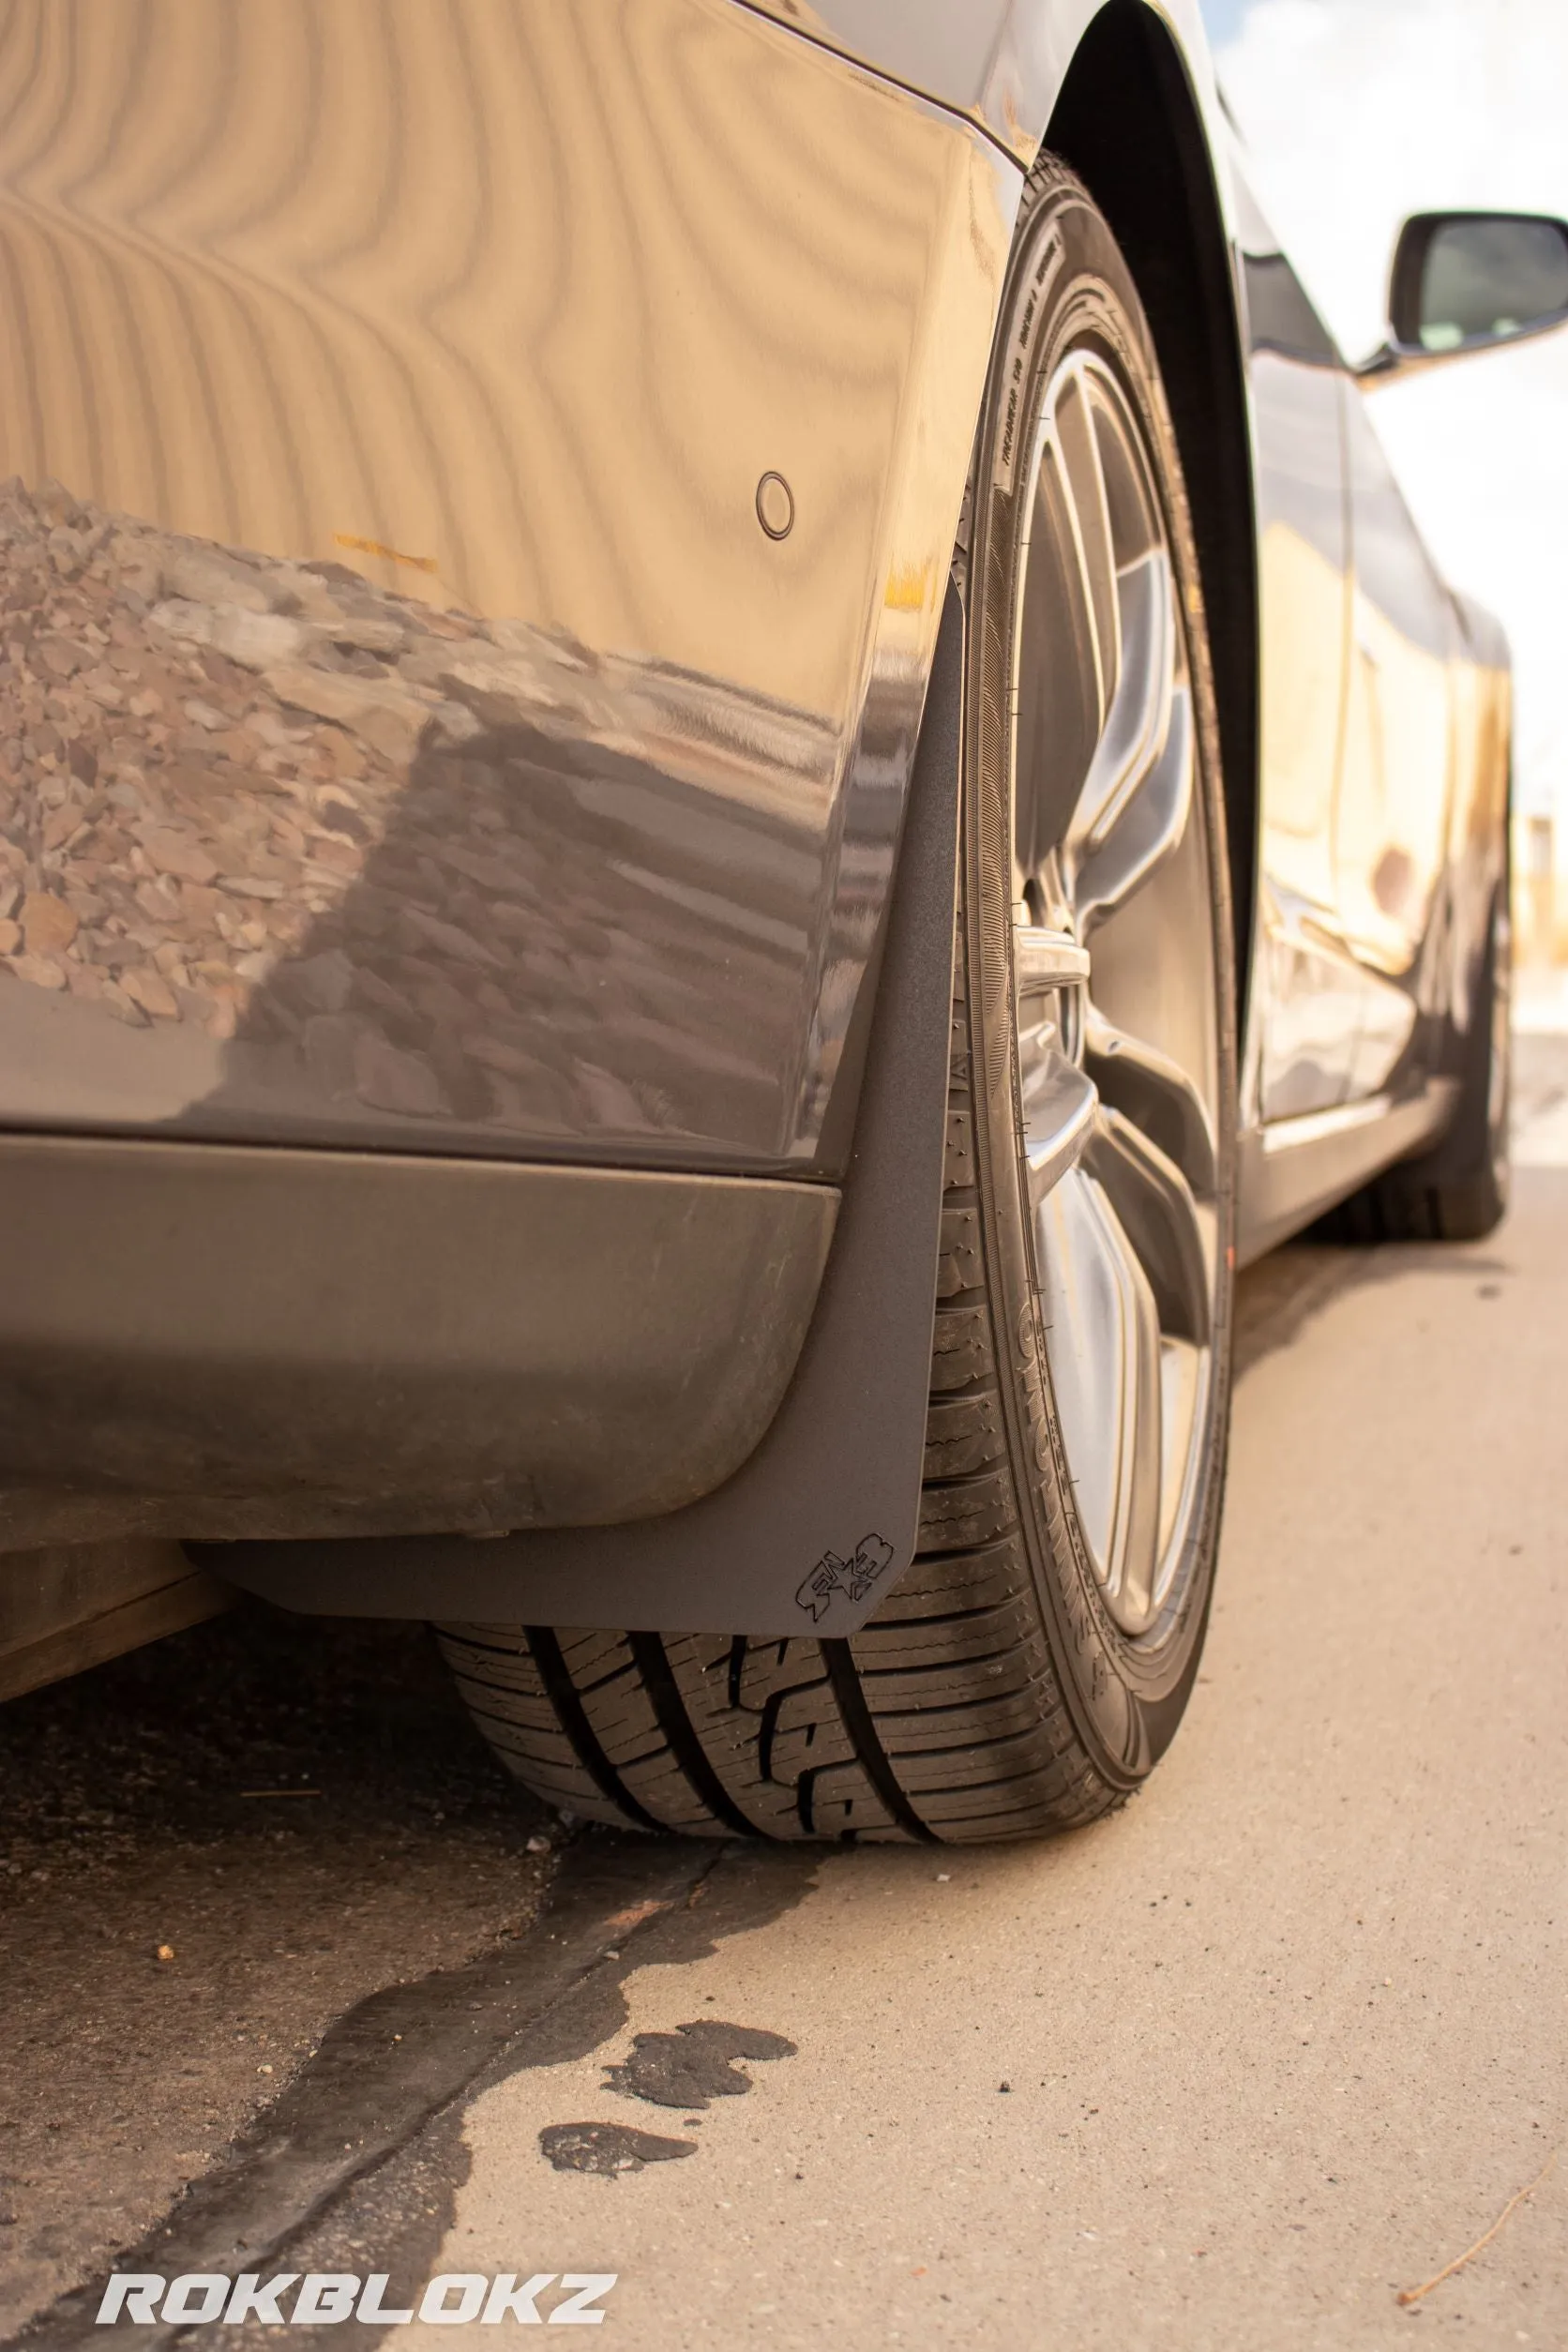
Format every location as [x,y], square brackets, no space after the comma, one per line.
[1115,987]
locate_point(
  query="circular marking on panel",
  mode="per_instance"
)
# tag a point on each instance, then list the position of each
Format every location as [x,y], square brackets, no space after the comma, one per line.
[775,505]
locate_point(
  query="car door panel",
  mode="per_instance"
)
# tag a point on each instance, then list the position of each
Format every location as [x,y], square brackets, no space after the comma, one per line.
[1391,823]
[1307,1012]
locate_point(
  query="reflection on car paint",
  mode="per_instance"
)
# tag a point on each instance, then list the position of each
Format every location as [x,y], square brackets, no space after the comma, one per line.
[393,863]
[390,392]
[1364,774]
[416,348]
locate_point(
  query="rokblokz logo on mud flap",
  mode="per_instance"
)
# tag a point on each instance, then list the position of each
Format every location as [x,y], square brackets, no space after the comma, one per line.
[458,2299]
[853,1577]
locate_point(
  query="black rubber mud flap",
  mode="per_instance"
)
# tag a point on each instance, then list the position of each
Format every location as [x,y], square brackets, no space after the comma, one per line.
[819,1522]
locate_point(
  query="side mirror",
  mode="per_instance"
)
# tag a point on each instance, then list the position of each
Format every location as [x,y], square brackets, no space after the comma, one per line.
[1469,281]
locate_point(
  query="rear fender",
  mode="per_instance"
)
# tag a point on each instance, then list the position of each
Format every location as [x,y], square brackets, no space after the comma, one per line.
[487,478]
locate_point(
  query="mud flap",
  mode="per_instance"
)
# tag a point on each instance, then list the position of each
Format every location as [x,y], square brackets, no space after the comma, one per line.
[821,1518]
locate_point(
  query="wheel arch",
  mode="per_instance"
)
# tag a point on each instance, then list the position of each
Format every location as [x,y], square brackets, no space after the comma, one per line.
[1128,122]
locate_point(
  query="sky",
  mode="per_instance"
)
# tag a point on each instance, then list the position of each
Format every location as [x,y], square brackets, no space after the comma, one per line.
[1356,113]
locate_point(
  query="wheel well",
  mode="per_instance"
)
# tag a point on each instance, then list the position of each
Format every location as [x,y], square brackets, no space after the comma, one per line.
[1129,123]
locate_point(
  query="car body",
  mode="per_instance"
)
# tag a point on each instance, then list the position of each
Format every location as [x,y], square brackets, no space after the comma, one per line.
[488,490]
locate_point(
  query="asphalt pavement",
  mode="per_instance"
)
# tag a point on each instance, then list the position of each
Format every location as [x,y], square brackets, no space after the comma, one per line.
[1238,2067]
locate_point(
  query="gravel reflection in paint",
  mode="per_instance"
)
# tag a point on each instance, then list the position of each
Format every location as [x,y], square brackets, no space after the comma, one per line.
[367,868]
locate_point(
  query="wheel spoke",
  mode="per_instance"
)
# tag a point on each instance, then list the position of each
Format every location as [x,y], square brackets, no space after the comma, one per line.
[1049,970]
[1155,1203]
[1156,1094]
[1059,716]
[1137,1569]
[1046,959]
[1074,444]
[1139,719]
[1103,1351]
[1060,1109]
[1148,819]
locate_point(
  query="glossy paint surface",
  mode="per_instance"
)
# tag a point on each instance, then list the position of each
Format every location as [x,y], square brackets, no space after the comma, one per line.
[416,727]
[1367,762]
[488,473]
[1310,1020]
[1001,62]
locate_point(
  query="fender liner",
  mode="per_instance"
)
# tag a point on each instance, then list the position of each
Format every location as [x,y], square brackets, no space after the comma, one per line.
[822,1517]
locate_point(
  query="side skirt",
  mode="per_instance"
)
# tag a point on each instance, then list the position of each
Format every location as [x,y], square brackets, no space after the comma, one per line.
[1293,1170]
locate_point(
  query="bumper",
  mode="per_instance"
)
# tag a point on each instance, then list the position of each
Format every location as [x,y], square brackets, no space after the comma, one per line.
[226,1342]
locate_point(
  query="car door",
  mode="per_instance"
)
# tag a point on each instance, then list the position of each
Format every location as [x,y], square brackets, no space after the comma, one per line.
[1390,816]
[1307,1021]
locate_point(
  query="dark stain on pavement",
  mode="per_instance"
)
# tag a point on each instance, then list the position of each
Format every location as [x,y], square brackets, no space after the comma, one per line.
[608,2148]
[694,2064]
[362,2149]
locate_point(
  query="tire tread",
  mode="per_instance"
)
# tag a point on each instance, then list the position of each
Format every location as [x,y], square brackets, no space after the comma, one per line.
[943,1719]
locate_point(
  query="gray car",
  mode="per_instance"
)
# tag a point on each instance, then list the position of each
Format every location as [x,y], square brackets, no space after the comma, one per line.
[723,756]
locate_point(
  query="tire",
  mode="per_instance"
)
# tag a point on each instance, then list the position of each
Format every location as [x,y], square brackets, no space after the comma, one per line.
[1459,1191]
[1031,1668]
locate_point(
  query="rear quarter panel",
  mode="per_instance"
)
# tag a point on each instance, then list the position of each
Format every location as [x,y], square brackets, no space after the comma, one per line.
[411,735]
